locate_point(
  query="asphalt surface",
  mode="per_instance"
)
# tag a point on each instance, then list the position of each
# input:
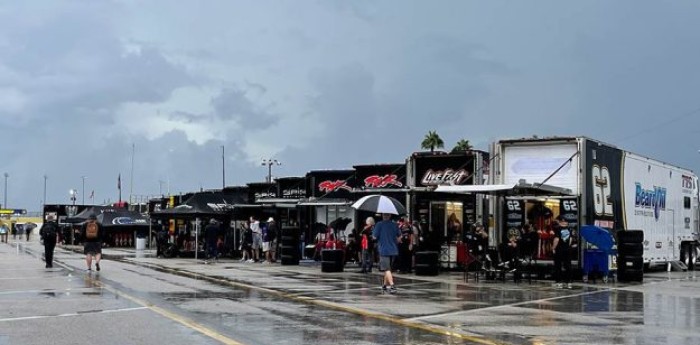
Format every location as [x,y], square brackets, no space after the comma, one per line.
[139,299]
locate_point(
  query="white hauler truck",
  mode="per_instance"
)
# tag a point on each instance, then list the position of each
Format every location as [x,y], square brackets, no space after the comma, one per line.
[534,180]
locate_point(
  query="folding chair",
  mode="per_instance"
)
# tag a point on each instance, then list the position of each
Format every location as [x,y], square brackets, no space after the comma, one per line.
[470,259]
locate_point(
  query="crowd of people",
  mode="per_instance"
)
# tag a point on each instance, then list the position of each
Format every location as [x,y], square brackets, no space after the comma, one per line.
[259,236]
[387,244]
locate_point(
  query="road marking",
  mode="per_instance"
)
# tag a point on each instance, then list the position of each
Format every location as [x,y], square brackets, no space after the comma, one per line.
[170,315]
[36,317]
[416,324]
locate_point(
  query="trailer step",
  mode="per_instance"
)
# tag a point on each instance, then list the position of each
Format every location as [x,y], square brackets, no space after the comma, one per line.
[677,266]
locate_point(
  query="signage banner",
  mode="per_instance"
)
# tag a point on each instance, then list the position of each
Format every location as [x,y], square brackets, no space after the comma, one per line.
[330,183]
[452,169]
[385,176]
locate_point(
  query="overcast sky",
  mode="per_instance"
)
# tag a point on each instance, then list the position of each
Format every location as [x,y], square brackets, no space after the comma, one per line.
[326,84]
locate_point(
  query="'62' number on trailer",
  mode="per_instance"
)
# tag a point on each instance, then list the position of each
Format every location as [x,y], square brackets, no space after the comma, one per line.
[569,205]
[513,205]
[601,191]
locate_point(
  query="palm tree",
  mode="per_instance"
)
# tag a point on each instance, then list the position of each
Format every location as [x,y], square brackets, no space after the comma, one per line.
[432,140]
[462,145]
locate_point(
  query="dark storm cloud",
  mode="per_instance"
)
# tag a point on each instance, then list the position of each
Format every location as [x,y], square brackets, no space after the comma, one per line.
[236,104]
[326,85]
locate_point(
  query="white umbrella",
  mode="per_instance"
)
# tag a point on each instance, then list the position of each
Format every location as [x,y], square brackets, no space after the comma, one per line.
[379,204]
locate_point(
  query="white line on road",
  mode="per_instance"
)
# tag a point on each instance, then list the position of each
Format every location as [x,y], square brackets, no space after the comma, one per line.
[505,305]
[36,317]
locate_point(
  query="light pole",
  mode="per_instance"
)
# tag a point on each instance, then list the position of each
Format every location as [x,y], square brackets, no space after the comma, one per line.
[4,201]
[45,178]
[83,177]
[270,162]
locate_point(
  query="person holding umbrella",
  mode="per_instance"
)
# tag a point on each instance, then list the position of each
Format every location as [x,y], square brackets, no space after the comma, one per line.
[386,233]
[388,236]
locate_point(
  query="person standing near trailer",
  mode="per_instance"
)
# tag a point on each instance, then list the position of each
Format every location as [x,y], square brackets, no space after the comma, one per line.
[561,248]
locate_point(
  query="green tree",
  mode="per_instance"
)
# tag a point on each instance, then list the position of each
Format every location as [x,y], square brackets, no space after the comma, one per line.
[462,145]
[432,141]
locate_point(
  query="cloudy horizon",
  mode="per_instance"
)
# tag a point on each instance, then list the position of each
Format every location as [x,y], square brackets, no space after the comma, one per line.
[326,84]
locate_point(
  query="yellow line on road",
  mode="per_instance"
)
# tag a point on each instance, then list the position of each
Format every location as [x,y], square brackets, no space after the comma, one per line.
[331,305]
[170,315]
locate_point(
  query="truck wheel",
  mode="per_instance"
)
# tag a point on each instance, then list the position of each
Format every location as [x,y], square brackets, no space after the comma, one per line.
[687,257]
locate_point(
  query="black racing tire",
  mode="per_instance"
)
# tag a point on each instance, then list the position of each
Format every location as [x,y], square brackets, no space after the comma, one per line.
[630,236]
[626,263]
[426,270]
[289,260]
[288,239]
[630,275]
[630,249]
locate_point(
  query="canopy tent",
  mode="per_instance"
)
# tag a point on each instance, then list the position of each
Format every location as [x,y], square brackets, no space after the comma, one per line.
[203,204]
[83,215]
[522,188]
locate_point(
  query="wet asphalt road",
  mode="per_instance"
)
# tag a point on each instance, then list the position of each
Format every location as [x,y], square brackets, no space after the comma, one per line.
[181,301]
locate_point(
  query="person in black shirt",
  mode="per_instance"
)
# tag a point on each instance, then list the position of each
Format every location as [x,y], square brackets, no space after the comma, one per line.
[161,238]
[49,234]
[211,236]
[528,242]
[562,256]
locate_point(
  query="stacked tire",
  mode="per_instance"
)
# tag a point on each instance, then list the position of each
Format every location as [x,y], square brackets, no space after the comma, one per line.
[427,263]
[630,251]
[289,247]
[332,260]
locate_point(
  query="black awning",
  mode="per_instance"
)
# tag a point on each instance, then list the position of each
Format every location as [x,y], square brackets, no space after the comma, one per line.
[121,218]
[203,204]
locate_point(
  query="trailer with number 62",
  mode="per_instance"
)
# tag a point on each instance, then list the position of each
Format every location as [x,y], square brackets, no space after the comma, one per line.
[590,182]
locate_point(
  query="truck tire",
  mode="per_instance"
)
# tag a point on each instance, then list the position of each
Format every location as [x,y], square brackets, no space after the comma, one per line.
[630,236]
[688,255]
[630,249]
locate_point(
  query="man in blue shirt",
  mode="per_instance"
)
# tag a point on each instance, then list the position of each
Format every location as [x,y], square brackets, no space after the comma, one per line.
[388,235]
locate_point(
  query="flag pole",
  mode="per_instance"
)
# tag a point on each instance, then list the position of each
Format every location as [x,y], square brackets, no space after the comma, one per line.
[131,182]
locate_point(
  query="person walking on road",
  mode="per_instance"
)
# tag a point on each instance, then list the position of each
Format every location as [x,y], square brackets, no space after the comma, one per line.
[49,234]
[92,232]
[211,235]
[161,238]
[388,235]
[3,232]
[562,255]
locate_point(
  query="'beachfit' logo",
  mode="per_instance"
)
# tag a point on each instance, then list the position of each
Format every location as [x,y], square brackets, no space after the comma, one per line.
[442,177]
[650,198]
[376,181]
[330,186]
